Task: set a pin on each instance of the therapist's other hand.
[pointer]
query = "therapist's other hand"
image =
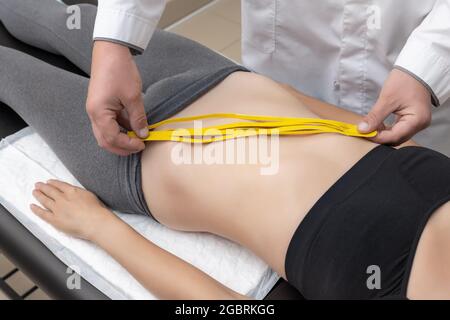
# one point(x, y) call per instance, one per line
point(410, 102)
point(115, 98)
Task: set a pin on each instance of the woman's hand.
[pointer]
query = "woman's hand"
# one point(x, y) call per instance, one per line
point(80, 213)
point(70, 209)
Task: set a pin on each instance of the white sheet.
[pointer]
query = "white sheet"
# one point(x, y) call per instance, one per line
point(25, 159)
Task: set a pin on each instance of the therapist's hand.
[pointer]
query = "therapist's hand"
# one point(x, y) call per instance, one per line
point(115, 97)
point(410, 102)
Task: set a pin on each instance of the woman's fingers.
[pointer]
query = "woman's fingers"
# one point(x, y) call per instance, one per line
point(42, 213)
point(43, 199)
point(62, 186)
point(49, 190)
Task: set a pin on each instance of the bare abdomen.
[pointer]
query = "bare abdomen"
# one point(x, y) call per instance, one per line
point(258, 205)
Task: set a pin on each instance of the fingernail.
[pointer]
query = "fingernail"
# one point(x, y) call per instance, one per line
point(140, 149)
point(363, 126)
point(143, 133)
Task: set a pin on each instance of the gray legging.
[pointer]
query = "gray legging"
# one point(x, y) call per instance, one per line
point(175, 72)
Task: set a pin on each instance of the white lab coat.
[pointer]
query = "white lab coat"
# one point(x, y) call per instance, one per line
point(131, 22)
point(339, 51)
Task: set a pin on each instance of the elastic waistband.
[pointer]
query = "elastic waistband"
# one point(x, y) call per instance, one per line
point(130, 179)
point(307, 230)
point(190, 93)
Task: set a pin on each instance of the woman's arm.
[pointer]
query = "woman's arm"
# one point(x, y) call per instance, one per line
point(328, 111)
point(79, 213)
point(162, 273)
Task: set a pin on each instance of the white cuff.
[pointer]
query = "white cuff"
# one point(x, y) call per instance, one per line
point(421, 60)
point(124, 27)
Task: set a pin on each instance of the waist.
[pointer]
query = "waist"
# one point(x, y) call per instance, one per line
point(237, 201)
point(373, 217)
point(299, 246)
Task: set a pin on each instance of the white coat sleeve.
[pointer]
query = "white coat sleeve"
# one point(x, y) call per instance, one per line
point(426, 54)
point(129, 22)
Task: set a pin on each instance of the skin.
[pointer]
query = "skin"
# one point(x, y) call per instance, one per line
point(313, 159)
point(114, 98)
point(410, 102)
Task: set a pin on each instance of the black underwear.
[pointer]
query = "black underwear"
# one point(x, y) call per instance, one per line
point(368, 224)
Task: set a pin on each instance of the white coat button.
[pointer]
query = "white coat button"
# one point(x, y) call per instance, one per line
point(336, 85)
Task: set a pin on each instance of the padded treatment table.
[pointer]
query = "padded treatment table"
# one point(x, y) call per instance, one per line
point(23, 248)
point(16, 242)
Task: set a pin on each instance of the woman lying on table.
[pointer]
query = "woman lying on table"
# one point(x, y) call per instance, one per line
point(336, 206)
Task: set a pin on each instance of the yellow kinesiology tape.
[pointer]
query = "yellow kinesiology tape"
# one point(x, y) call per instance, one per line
point(259, 125)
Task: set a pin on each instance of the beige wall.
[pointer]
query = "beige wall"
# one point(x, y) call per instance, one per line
point(177, 9)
